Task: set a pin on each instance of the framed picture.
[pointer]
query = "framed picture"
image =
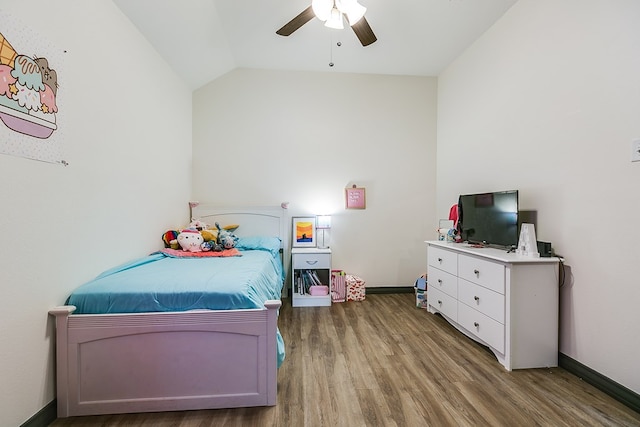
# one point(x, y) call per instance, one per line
point(355, 198)
point(304, 231)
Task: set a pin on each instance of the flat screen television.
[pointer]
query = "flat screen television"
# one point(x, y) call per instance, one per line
point(489, 218)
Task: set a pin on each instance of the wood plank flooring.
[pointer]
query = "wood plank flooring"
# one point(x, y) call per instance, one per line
point(383, 362)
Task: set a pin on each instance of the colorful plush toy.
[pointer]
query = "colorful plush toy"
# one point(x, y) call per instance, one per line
point(170, 239)
point(190, 240)
point(226, 238)
point(198, 237)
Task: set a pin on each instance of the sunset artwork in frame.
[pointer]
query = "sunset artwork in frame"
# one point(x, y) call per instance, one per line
point(304, 232)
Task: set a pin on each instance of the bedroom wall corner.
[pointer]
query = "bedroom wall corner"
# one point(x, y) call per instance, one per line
point(128, 146)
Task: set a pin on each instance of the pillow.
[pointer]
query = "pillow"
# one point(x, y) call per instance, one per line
point(271, 244)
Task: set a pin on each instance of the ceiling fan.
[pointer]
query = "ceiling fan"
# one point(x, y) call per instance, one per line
point(332, 13)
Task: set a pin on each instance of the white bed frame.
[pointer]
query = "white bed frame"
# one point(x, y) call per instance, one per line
point(150, 362)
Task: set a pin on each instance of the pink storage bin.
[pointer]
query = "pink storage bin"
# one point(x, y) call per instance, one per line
point(318, 291)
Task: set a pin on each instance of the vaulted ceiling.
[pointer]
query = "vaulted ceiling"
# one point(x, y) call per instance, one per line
point(204, 39)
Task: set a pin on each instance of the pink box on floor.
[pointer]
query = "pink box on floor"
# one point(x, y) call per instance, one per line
point(318, 291)
point(356, 288)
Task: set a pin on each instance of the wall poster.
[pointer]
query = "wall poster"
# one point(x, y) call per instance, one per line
point(354, 198)
point(31, 116)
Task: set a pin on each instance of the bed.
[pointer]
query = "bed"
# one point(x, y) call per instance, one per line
point(116, 353)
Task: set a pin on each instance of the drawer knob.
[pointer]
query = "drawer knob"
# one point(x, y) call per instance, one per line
point(439, 281)
point(440, 260)
point(477, 298)
point(312, 262)
point(476, 324)
point(439, 302)
point(476, 272)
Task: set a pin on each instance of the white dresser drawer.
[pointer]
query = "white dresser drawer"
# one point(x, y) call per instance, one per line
point(486, 273)
point(482, 299)
point(442, 281)
point(445, 304)
point(312, 261)
point(443, 259)
point(502, 300)
point(485, 328)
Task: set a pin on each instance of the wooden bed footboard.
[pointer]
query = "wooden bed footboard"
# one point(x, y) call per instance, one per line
point(150, 362)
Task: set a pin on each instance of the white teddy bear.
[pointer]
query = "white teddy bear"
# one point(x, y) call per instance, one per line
point(190, 240)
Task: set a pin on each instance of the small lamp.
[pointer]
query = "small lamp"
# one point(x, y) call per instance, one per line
point(323, 222)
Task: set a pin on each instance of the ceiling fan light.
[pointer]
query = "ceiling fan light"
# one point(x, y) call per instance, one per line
point(335, 21)
point(355, 13)
point(354, 10)
point(342, 5)
point(322, 9)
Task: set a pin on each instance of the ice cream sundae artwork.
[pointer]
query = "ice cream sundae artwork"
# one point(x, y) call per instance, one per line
point(28, 89)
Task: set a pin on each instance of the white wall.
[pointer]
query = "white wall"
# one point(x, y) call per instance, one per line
point(128, 144)
point(548, 102)
point(263, 137)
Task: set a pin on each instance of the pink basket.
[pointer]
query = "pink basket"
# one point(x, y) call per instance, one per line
point(338, 286)
point(318, 291)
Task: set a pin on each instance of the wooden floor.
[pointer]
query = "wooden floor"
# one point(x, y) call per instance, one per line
point(383, 362)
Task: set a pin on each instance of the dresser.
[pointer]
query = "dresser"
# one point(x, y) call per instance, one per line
point(505, 301)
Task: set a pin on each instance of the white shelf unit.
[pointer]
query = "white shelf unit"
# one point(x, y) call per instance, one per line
point(314, 259)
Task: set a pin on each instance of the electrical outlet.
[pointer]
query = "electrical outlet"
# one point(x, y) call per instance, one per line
point(635, 150)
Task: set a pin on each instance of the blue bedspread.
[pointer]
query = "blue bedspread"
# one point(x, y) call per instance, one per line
point(162, 283)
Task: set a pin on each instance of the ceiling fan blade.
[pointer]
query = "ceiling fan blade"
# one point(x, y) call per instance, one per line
point(297, 22)
point(364, 32)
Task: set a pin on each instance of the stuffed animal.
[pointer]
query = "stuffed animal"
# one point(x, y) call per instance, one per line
point(170, 239)
point(209, 235)
point(212, 245)
point(226, 239)
point(198, 225)
point(190, 240)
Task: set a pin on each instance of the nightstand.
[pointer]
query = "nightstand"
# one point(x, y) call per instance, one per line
point(310, 266)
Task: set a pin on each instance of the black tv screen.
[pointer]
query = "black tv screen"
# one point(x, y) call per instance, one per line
point(489, 218)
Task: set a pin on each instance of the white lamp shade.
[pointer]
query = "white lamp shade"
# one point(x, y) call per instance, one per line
point(335, 21)
point(322, 9)
point(354, 10)
point(323, 221)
